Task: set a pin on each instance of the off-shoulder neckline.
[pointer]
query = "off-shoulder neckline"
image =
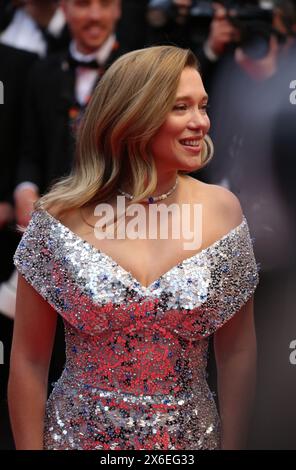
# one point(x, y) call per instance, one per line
point(128, 273)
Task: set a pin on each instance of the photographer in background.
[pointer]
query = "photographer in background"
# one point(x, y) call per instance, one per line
point(242, 29)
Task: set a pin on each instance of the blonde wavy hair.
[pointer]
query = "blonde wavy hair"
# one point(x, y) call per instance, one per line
point(129, 105)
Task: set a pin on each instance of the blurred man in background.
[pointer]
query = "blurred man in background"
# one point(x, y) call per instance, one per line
point(58, 91)
point(14, 69)
point(36, 26)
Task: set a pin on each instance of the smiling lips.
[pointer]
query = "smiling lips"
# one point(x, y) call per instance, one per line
point(191, 143)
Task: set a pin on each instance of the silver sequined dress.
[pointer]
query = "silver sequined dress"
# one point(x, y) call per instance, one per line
point(135, 373)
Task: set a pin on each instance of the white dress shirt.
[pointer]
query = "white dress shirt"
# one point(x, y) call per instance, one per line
point(86, 77)
point(24, 33)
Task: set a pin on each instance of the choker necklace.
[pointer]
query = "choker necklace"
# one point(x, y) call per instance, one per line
point(152, 199)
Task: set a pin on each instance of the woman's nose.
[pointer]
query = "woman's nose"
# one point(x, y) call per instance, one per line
point(199, 120)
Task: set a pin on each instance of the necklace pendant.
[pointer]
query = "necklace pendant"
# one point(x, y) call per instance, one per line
point(150, 200)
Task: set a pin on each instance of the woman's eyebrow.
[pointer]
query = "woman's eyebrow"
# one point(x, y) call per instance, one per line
point(187, 97)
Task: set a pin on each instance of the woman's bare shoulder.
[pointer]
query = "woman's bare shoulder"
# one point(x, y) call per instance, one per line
point(70, 217)
point(220, 204)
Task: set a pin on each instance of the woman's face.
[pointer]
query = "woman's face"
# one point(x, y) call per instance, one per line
point(178, 143)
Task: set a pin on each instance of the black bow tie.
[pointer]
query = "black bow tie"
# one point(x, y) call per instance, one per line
point(93, 64)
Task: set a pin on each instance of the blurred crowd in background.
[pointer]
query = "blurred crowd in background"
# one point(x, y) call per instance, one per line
point(52, 55)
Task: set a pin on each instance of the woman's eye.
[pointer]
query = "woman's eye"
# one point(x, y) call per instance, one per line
point(180, 107)
point(205, 107)
point(184, 107)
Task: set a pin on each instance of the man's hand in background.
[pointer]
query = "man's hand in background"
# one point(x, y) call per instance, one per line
point(222, 32)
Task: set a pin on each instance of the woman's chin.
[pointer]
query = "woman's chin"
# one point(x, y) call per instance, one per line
point(193, 165)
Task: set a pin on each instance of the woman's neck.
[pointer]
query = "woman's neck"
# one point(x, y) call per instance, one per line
point(165, 182)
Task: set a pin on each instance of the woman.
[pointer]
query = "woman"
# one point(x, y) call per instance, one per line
point(138, 311)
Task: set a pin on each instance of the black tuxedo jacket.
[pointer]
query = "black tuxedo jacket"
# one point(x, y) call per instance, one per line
point(14, 68)
point(48, 141)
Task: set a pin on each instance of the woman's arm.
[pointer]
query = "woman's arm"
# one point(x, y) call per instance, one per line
point(235, 351)
point(33, 337)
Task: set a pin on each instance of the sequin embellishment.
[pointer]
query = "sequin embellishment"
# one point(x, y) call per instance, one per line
point(136, 357)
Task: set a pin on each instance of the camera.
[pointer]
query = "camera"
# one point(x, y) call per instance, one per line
point(253, 19)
